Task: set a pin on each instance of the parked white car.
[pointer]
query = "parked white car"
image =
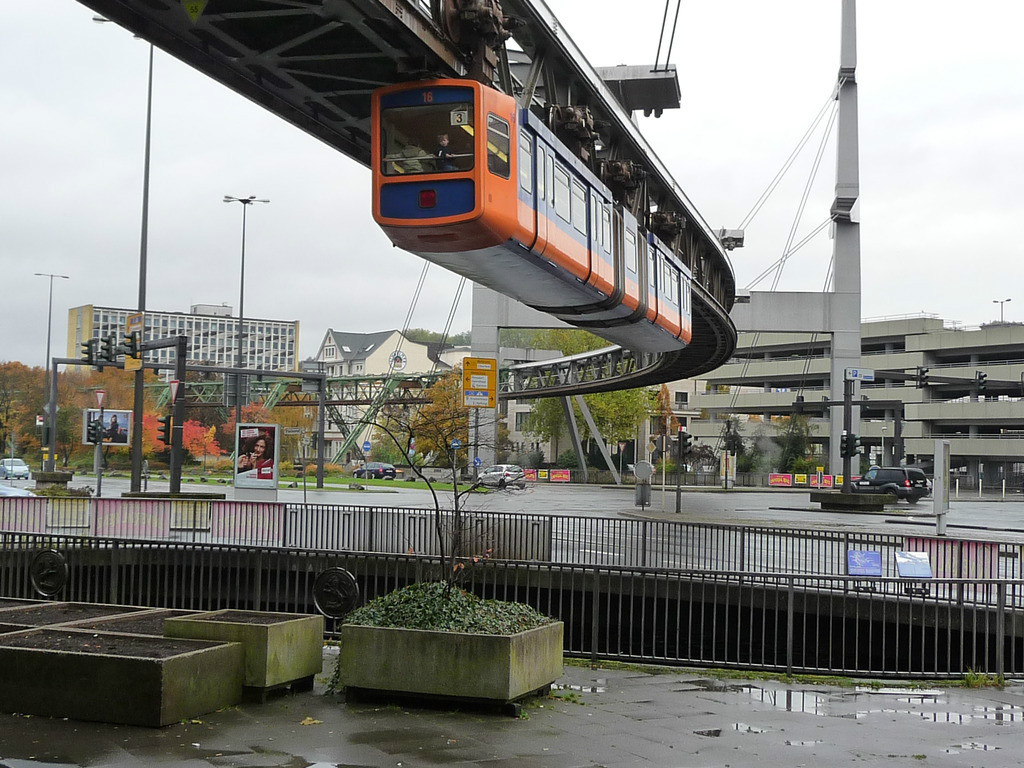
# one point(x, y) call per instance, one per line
point(14, 468)
point(503, 476)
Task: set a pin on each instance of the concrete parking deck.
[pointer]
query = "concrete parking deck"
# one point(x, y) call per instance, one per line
point(609, 718)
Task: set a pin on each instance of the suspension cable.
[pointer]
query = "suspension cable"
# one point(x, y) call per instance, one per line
point(830, 103)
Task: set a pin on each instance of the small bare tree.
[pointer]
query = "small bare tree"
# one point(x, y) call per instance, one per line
point(440, 428)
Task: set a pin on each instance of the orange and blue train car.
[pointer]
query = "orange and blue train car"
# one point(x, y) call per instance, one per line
point(466, 179)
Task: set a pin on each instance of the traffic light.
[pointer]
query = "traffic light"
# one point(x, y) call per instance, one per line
point(163, 433)
point(94, 431)
point(798, 404)
point(685, 442)
point(922, 376)
point(130, 346)
point(89, 351)
point(980, 379)
point(108, 348)
point(849, 445)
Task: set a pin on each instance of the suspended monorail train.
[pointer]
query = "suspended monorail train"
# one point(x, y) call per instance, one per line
point(466, 179)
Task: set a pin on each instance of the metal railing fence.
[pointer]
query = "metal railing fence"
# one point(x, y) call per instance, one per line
point(752, 620)
point(566, 539)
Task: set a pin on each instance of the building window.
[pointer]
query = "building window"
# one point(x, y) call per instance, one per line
point(521, 419)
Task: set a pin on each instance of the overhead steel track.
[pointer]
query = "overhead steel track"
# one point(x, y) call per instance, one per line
point(315, 63)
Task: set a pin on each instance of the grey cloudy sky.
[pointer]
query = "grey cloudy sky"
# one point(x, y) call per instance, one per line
point(941, 116)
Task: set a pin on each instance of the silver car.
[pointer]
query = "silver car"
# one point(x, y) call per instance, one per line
point(503, 476)
point(10, 490)
point(13, 468)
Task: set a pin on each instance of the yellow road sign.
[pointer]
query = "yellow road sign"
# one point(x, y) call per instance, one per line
point(135, 322)
point(194, 9)
point(479, 382)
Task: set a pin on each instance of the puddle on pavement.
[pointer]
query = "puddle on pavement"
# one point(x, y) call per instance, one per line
point(899, 691)
point(791, 701)
point(744, 728)
point(806, 743)
point(1001, 713)
point(580, 688)
point(709, 732)
point(971, 745)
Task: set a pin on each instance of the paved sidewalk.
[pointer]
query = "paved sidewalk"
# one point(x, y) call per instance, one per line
point(604, 718)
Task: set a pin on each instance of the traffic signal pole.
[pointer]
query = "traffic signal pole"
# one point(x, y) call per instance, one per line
point(178, 413)
point(847, 430)
point(97, 455)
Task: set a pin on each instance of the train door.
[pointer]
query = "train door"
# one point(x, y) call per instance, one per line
point(527, 234)
point(543, 203)
point(651, 262)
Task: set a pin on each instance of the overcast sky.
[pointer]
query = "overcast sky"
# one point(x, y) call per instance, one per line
point(941, 121)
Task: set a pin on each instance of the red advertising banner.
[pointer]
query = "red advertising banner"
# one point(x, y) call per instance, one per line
point(560, 475)
point(826, 481)
point(530, 474)
point(780, 480)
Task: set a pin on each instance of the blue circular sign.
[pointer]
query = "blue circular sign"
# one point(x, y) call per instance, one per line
point(456, 443)
point(477, 461)
point(366, 446)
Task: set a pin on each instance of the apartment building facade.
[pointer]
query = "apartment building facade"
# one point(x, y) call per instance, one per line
point(211, 330)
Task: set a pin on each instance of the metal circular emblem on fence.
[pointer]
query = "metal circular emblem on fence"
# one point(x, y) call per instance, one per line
point(48, 572)
point(335, 592)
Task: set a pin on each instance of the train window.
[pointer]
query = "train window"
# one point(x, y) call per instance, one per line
point(652, 271)
point(431, 137)
point(595, 229)
point(669, 285)
point(579, 207)
point(606, 227)
point(541, 156)
point(498, 143)
point(561, 192)
point(525, 163)
point(630, 252)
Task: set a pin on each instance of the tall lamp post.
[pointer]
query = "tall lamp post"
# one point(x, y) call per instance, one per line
point(1000, 302)
point(138, 402)
point(51, 406)
point(240, 355)
point(882, 459)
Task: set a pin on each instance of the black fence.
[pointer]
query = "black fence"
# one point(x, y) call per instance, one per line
point(726, 618)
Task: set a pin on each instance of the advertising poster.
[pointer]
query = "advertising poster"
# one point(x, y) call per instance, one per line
point(780, 480)
point(117, 426)
point(257, 449)
point(530, 474)
point(561, 475)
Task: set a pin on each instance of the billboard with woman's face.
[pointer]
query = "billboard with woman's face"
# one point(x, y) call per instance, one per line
point(256, 455)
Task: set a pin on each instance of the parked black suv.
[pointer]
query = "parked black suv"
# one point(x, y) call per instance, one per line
point(907, 483)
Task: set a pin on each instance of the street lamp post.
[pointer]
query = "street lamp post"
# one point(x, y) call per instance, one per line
point(51, 406)
point(240, 355)
point(882, 459)
point(138, 402)
point(1000, 302)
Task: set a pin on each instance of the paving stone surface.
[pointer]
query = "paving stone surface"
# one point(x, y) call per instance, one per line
point(595, 719)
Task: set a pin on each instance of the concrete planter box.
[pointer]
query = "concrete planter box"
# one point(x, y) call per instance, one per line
point(115, 678)
point(500, 668)
point(280, 648)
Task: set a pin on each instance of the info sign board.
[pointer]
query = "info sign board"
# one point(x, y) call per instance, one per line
point(257, 450)
point(117, 426)
point(479, 382)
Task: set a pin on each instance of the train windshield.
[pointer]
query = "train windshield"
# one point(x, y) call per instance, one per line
point(427, 131)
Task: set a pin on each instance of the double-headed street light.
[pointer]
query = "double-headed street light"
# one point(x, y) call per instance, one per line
point(1000, 302)
point(140, 374)
point(240, 358)
point(51, 407)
